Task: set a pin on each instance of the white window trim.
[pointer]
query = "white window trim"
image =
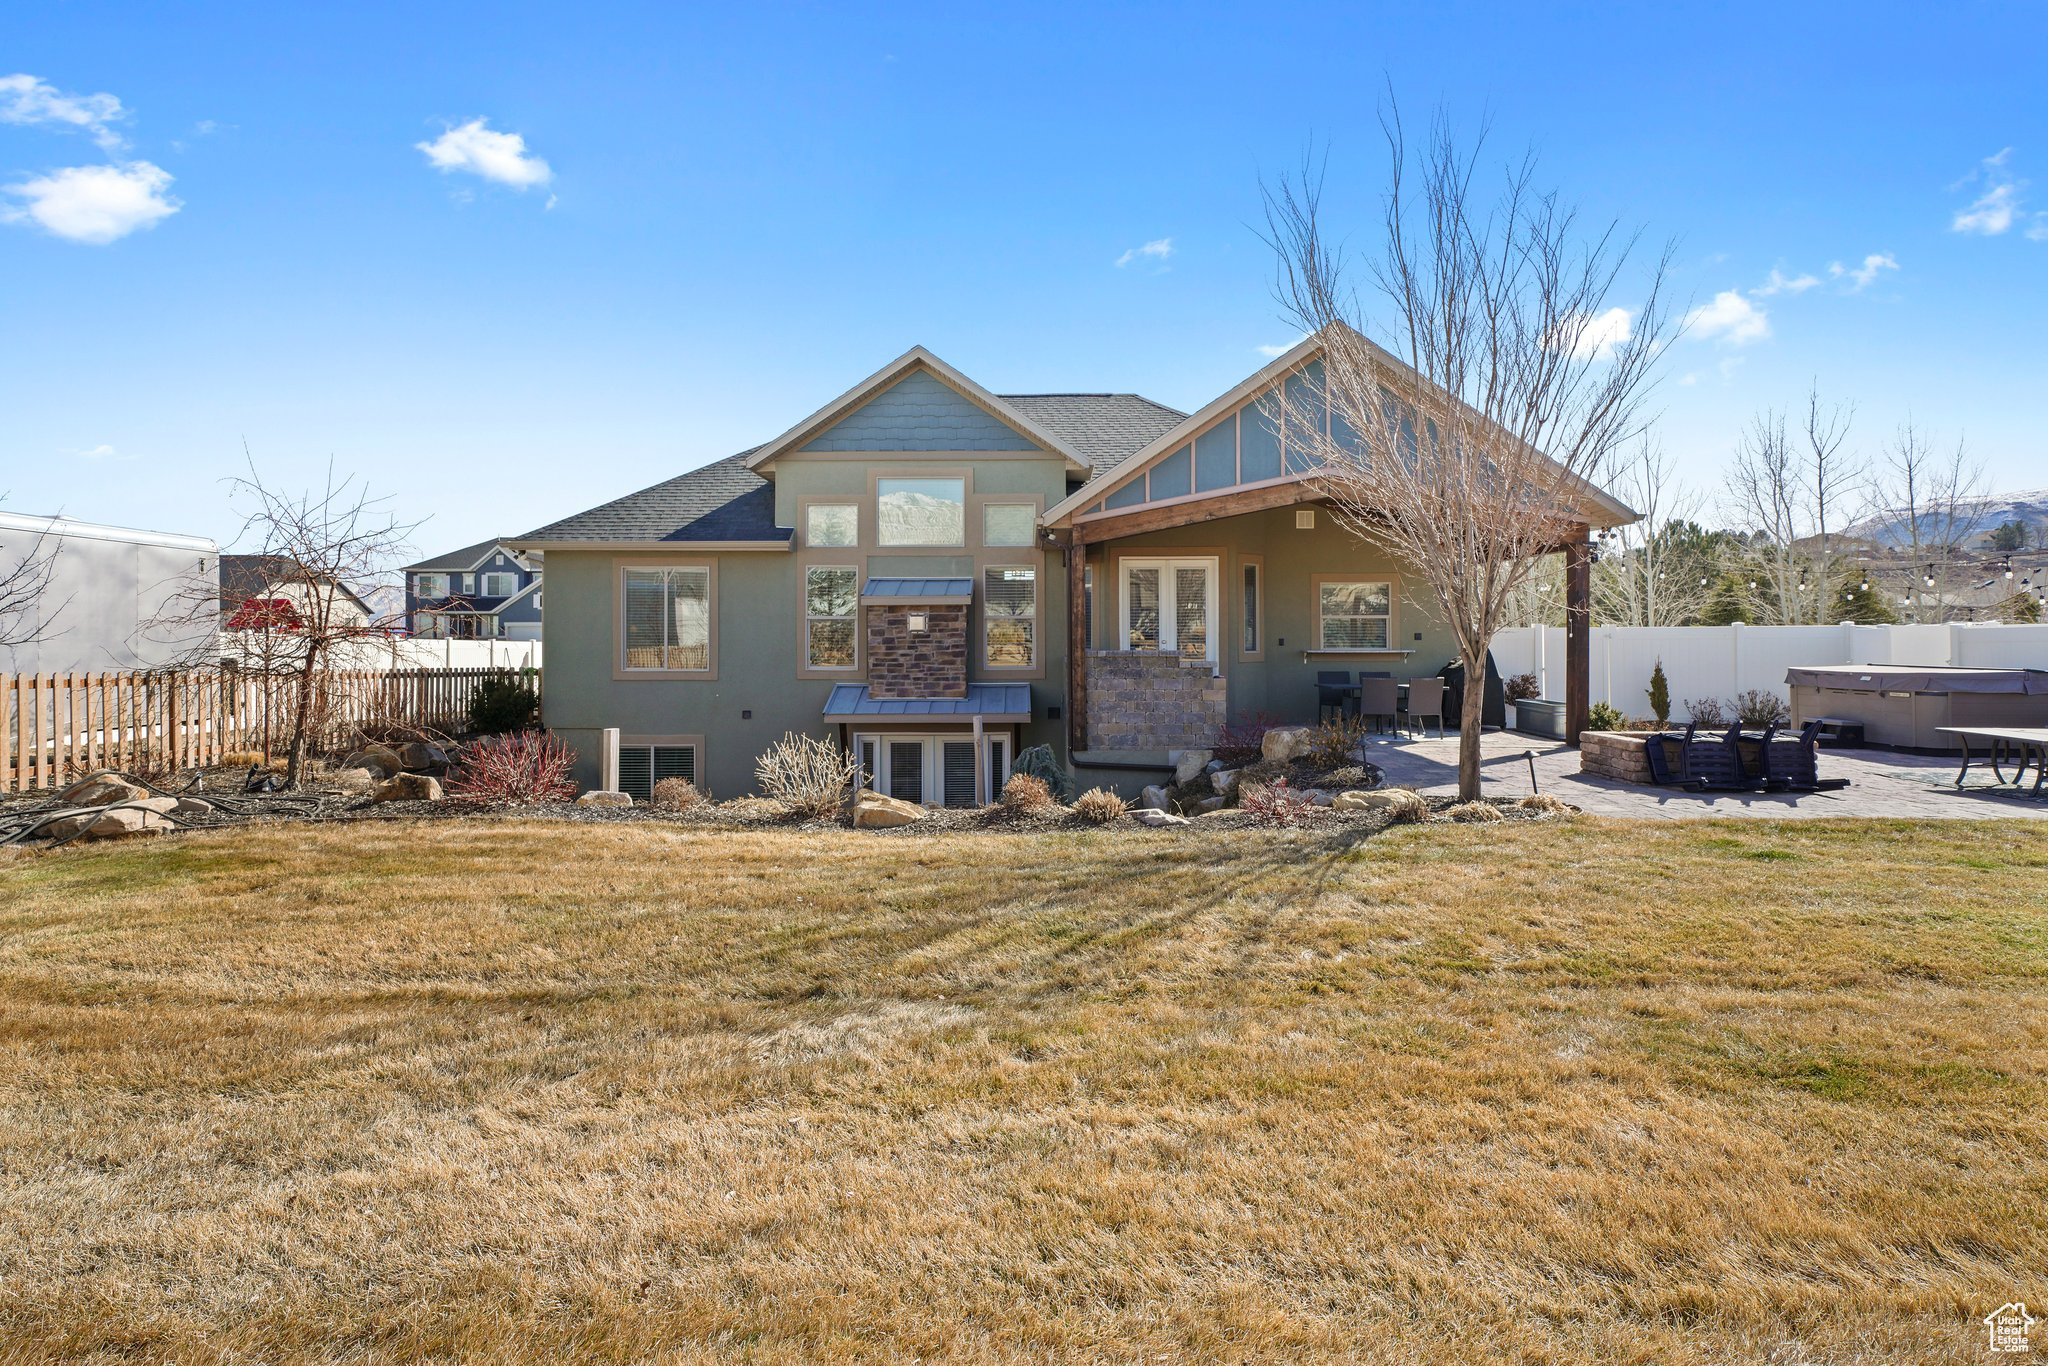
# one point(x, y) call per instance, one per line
point(852, 617)
point(1169, 637)
point(430, 586)
point(512, 578)
point(992, 777)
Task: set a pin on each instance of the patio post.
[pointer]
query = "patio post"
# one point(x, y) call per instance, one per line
point(1077, 646)
point(1578, 642)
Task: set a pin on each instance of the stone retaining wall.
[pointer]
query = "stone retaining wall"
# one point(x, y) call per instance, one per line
point(1149, 699)
point(1619, 754)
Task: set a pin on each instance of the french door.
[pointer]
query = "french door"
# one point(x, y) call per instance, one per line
point(933, 769)
point(1170, 604)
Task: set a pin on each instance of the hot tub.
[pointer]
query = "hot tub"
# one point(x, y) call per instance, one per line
point(1906, 705)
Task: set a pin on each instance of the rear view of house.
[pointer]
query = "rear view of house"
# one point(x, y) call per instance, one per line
point(486, 591)
point(939, 576)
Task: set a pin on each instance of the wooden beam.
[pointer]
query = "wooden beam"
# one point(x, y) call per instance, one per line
point(1578, 637)
point(1204, 509)
point(1077, 647)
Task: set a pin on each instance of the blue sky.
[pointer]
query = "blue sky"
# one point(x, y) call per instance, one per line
point(716, 218)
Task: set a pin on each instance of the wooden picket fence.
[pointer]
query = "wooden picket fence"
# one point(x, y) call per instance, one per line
point(55, 728)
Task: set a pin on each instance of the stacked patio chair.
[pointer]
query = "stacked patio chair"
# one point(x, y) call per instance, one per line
point(1426, 699)
point(1714, 762)
point(1792, 763)
point(1379, 700)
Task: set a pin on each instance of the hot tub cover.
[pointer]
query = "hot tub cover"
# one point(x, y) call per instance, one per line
point(1919, 678)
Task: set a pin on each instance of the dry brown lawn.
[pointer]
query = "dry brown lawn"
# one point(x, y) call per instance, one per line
point(463, 1091)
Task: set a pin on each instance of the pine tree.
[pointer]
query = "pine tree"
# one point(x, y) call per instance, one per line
point(1660, 694)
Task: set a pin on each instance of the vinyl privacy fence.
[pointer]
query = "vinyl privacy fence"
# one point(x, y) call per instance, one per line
point(55, 728)
point(1721, 661)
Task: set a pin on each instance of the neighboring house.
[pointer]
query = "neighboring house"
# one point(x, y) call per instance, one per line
point(939, 576)
point(486, 591)
point(264, 594)
point(113, 598)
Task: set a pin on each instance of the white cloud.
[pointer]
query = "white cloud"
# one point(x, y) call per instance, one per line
point(1159, 251)
point(1780, 283)
point(1731, 317)
point(99, 452)
point(96, 204)
point(1271, 349)
point(29, 100)
point(1596, 338)
point(1999, 206)
point(495, 156)
point(1859, 277)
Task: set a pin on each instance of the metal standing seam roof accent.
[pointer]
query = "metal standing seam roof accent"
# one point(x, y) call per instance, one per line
point(983, 699)
point(918, 590)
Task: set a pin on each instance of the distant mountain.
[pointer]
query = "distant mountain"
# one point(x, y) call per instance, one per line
point(908, 518)
point(2029, 508)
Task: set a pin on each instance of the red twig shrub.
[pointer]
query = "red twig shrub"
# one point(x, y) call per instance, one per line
point(1240, 742)
point(1277, 804)
point(516, 770)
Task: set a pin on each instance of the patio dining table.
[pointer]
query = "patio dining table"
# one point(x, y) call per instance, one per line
point(2019, 746)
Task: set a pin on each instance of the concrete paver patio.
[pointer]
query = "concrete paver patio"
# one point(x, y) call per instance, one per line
point(1881, 783)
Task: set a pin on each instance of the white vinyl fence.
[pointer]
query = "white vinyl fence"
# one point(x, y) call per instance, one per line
point(1721, 661)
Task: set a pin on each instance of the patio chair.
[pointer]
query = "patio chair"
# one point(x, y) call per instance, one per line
point(1657, 750)
point(1379, 699)
point(1792, 763)
point(1714, 762)
point(1426, 699)
point(1333, 693)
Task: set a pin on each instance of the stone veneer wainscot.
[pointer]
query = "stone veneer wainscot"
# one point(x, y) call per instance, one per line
point(1152, 699)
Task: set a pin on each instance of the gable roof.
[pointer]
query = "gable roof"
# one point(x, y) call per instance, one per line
point(469, 557)
point(915, 359)
point(243, 577)
point(727, 502)
point(1262, 379)
point(721, 501)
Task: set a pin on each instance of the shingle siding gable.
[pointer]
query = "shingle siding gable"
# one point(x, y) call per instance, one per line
point(920, 413)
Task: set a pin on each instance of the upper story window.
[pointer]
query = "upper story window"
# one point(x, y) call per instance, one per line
point(430, 585)
point(1009, 524)
point(1356, 615)
point(832, 524)
point(667, 619)
point(500, 585)
point(831, 597)
point(921, 511)
point(1009, 617)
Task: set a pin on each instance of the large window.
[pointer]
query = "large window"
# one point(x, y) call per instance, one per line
point(500, 585)
point(1170, 605)
point(1009, 524)
point(831, 598)
point(921, 511)
point(668, 619)
point(1356, 615)
point(832, 524)
point(430, 585)
point(1009, 616)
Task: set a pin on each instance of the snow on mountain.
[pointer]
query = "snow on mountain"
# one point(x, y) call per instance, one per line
point(2029, 507)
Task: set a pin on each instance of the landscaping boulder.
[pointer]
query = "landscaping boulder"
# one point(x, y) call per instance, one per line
point(190, 807)
point(381, 761)
point(602, 797)
point(1208, 804)
point(1283, 744)
point(101, 790)
point(1317, 797)
point(355, 779)
point(1371, 801)
point(874, 811)
point(1223, 780)
point(123, 822)
point(1146, 815)
point(419, 757)
point(407, 787)
point(1154, 799)
point(1189, 763)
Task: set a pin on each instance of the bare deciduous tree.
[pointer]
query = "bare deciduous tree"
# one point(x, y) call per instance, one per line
point(26, 613)
point(1652, 572)
point(297, 605)
point(1465, 441)
point(1927, 504)
point(1792, 495)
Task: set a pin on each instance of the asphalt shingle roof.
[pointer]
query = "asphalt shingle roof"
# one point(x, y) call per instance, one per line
point(726, 501)
point(454, 559)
